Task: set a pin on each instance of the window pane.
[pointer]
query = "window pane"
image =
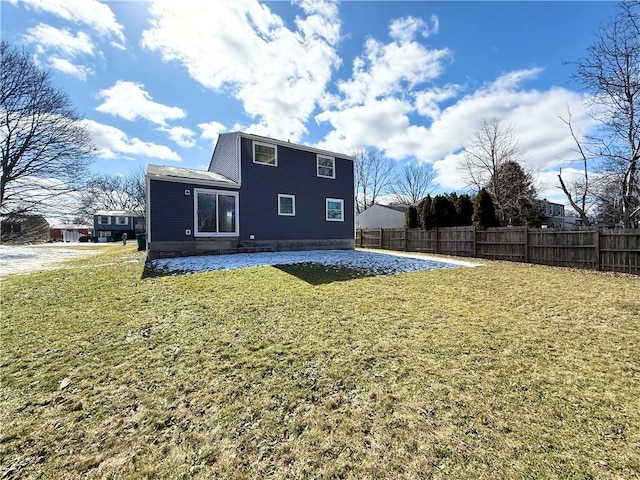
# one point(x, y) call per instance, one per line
point(227, 213)
point(206, 213)
point(334, 210)
point(286, 206)
point(265, 154)
point(326, 167)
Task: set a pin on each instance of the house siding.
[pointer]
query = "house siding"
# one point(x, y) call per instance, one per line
point(172, 210)
point(118, 230)
point(296, 175)
point(225, 157)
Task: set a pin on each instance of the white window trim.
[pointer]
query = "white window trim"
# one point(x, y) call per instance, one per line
point(333, 169)
point(292, 197)
point(196, 232)
point(126, 221)
point(100, 222)
point(275, 151)
point(326, 209)
point(104, 234)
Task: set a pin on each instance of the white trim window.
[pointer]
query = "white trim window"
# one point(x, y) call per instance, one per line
point(286, 205)
point(215, 213)
point(335, 210)
point(326, 166)
point(122, 221)
point(265, 154)
point(104, 234)
point(104, 220)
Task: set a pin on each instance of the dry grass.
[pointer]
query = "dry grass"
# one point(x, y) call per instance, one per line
point(504, 371)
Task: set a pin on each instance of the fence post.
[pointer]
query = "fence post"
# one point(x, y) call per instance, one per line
point(406, 233)
point(526, 245)
point(597, 246)
point(475, 244)
point(436, 240)
point(380, 241)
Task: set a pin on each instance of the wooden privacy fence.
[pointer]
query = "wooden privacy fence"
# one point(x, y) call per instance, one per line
point(610, 250)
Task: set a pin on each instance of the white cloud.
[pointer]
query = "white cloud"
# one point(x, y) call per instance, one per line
point(66, 66)
point(276, 72)
point(427, 102)
point(130, 101)
point(59, 49)
point(181, 135)
point(60, 39)
point(393, 68)
point(211, 130)
point(405, 29)
point(416, 124)
point(92, 13)
point(114, 143)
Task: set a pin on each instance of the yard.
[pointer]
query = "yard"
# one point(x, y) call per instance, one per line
point(501, 371)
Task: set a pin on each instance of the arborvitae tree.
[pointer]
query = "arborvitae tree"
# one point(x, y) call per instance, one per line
point(453, 199)
point(464, 210)
point(444, 212)
point(484, 214)
point(411, 218)
point(425, 214)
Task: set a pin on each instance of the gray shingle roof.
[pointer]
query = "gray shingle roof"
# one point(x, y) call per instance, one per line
point(187, 173)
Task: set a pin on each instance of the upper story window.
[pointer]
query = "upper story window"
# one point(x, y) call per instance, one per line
point(265, 154)
point(326, 166)
point(286, 205)
point(335, 210)
point(122, 221)
point(104, 220)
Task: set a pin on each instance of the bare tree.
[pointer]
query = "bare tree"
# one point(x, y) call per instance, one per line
point(581, 192)
point(45, 149)
point(115, 192)
point(611, 73)
point(492, 145)
point(374, 173)
point(412, 183)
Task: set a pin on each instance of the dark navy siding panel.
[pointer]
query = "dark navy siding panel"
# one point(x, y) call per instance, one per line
point(172, 210)
point(225, 157)
point(294, 175)
point(113, 227)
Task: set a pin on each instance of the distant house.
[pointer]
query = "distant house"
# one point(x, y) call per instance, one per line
point(69, 232)
point(556, 217)
point(258, 193)
point(109, 225)
point(382, 216)
point(24, 228)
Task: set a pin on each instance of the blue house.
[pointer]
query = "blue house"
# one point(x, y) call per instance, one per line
point(109, 225)
point(258, 194)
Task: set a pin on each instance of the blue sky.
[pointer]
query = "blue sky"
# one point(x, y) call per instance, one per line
point(157, 81)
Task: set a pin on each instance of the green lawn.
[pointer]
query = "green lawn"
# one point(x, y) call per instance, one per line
point(503, 371)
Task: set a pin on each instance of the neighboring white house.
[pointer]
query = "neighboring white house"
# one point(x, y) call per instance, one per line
point(382, 216)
